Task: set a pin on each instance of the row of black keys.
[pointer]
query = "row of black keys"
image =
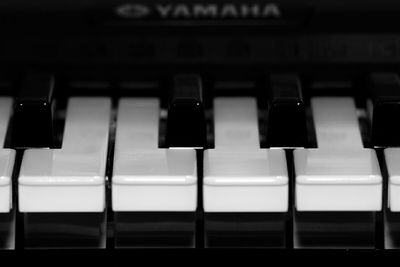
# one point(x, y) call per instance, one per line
point(33, 123)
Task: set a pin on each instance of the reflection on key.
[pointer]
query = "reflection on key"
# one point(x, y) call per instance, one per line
point(340, 181)
point(154, 191)
point(340, 175)
point(238, 175)
point(70, 179)
point(7, 158)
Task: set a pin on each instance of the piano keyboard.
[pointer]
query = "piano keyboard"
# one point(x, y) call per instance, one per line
point(291, 167)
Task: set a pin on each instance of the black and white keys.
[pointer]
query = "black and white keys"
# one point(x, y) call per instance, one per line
point(340, 175)
point(384, 108)
point(239, 176)
point(145, 177)
point(70, 179)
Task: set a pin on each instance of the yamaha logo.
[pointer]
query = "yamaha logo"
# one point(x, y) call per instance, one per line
point(134, 11)
point(198, 11)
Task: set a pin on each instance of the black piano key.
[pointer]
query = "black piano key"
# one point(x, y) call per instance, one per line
point(286, 117)
point(385, 113)
point(33, 112)
point(186, 126)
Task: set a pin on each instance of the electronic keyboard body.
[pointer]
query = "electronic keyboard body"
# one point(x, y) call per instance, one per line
point(200, 124)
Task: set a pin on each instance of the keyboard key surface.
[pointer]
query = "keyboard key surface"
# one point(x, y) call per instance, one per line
point(286, 112)
point(336, 123)
point(329, 180)
point(236, 123)
point(392, 158)
point(138, 123)
point(385, 109)
point(340, 175)
point(7, 157)
point(155, 180)
point(238, 175)
point(33, 124)
point(245, 181)
point(146, 178)
point(186, 125)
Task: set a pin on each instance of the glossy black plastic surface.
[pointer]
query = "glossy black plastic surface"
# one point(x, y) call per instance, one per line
point(385, 94)
point(33, 112)
point(286, 119)
point(186, 126)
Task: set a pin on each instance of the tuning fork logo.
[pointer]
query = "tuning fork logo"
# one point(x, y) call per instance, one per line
point(133, 11)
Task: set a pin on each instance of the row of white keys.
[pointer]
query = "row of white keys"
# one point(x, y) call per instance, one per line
point(238, 175)
point(70, 179)
point(145, 177)
point(7, 157)
point(340, 175)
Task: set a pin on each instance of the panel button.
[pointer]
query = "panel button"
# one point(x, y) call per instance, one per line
point(286, 121)
point(33, 112)
point(186, 126)
point(70, 179)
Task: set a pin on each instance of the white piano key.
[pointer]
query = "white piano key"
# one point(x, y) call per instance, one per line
point(392, 158)
point(245, 181)
point(335, 180)
point(236, 123)
point(138, 123)
point(70, 179)
point(238, 175)
point(340, 175)
point(146, 178)
point(7, 157)
point(336, 122)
